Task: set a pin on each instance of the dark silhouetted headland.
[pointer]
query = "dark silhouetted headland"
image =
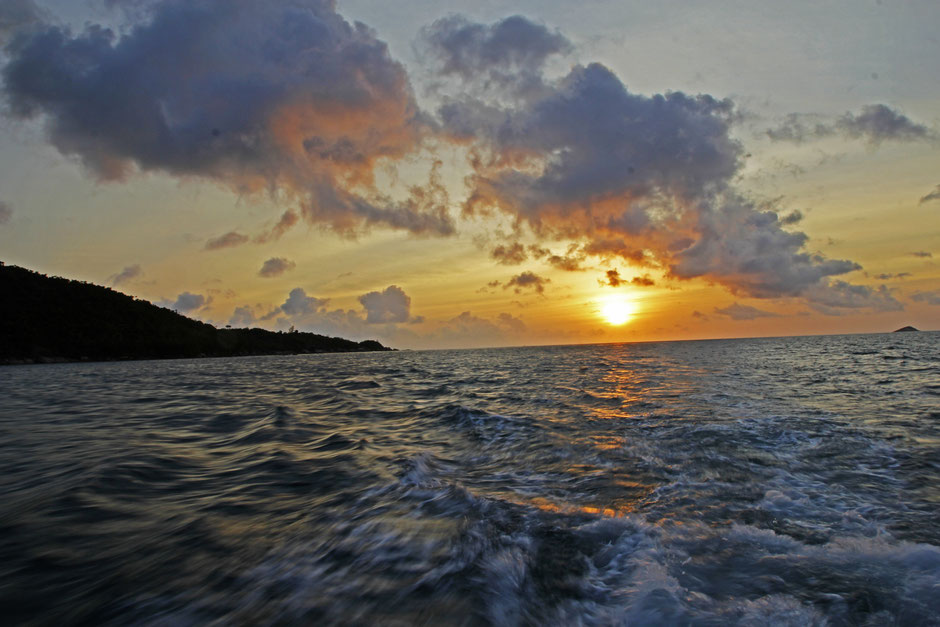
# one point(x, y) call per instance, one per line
point(49, 319)
point(906, 330)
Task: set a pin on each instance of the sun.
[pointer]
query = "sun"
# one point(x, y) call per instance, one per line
point(616, 310)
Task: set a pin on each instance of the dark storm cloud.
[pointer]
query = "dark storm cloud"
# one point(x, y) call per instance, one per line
point(934, 195)
point(125, 275)
point(276, 266)
point(527, 280)
point(283, 94)
point(737, 311)
point(228, 240)
point(875, 123)
point(6, 212)
point(510, 254)
point(389, 305)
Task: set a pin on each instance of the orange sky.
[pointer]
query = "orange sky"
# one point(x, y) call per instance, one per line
point(486, 180)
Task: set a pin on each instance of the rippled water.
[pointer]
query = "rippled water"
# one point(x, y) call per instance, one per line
point(785, 481)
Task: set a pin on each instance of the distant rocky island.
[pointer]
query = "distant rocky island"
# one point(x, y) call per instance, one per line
point(906, 330)
point(51, 319)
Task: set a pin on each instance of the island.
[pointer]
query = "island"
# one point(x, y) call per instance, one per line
point(53, 319)
point(906, 330)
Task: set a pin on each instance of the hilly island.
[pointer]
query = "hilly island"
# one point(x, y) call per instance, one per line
point(52, 319)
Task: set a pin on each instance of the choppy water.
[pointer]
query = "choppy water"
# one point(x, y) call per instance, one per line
point(774, 481)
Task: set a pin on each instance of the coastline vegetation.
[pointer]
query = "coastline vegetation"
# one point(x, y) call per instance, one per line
point(52, 319)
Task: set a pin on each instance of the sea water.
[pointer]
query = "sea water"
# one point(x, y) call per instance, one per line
point(788, 481)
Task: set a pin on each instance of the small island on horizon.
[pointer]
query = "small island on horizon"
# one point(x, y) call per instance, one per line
point(907, 329)
point(52, 319)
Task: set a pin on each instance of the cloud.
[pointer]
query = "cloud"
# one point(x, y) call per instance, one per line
point(510, 52)
point(885, 276)
point(699, 315)
point(187, 302)
point(228, 240)
point(125, 275)
point(648, 179)
point(243, 317)
point(875, 123)
point(747, 251)
point(298, 303)
point(527, 280)
point(17, 16)
point(793, 217)
point(284, 95)
point(931, 298)
point(288, 219)
point(310, 313)
point(468, 330)
point(839, 296)
point(6, 212)
point(737, 311)
point(276, 266)
point(934, 195)
point(570, 262)
point(389, 305)
point(612, 278)
point(922, 254)
point(509, 255)
point(510, 323)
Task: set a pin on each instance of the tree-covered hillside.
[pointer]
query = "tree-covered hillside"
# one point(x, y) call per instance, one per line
point(54, 319)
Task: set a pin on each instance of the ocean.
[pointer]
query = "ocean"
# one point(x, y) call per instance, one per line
point(783, 481)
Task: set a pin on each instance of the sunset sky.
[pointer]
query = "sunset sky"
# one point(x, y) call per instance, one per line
point(455, 174)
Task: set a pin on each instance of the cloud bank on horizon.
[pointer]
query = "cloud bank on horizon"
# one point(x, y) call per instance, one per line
point(288, 97)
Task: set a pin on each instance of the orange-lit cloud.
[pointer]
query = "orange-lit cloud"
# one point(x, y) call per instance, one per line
point(255, 95)
point(650, 180)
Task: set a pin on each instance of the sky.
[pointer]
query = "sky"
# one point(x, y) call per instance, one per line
point(453, 174)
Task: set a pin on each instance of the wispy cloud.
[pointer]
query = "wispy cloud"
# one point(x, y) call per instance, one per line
point(875, 123)
point(934, 195)
point(228, 240)
point(127, 274)
point(527, 280)
point(6, 212)
point(276, 266)
point(737, 311)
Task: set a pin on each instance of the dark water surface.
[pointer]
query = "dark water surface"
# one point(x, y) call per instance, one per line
point(770, 481)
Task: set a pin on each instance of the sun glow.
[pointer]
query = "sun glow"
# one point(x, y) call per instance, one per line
point(617, 310)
